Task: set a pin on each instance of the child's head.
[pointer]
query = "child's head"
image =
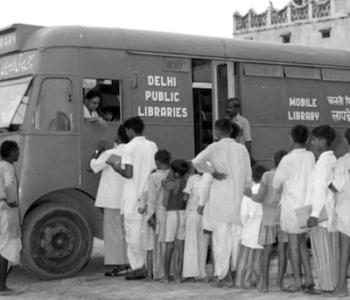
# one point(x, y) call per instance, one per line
point(322, 137)
point(347, 136)
point(277, 157)
point(9, 151)
point(134, 126)
point(162, 159)
point(179, 167)
point(122, 136)
point(257, 173)
point(300, 134)
point(223, 128)
point(236, 131)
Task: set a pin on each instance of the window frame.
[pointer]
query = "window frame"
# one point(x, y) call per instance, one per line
point(120, 84)
point(74, 128)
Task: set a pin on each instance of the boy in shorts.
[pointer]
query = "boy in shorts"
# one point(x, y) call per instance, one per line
point(175, 217)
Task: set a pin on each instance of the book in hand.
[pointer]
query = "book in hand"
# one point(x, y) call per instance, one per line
point(304, 213)
point(114, 159)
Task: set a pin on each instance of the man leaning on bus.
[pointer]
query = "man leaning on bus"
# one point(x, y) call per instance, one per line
point(233, 107)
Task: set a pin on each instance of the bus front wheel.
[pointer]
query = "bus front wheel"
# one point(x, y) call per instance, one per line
point(57, 241)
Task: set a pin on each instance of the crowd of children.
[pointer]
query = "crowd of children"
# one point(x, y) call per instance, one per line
point(218, 200)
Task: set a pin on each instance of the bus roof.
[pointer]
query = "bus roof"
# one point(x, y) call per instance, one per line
point(183, 45)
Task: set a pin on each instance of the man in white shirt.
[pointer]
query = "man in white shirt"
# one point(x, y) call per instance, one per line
point(323, 235)
point(138, 159)
point(292, 178)
point(10, 234)
point(108, 197)
point(233, 112)
point(229, 163)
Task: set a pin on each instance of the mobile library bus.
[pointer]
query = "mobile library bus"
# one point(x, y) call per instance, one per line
point(178, 84)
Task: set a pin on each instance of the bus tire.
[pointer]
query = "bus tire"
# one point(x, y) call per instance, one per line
point(57, 241)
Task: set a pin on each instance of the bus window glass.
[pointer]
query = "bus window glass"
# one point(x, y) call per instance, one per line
point(54, 110)
point(110, 104)
point(13, 100)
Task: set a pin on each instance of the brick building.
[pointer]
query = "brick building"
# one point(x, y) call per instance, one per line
point(322, 23)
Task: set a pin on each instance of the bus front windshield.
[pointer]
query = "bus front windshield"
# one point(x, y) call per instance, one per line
point(13, 102)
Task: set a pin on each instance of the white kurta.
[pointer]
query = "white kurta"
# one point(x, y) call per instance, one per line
point(293, 175)
point(10, 233)
point(251, 217)
point(318, 194)
point(194, 253)
point(88, 114)
point(111, 186)
point(109, 194)
point(139, 153)
point(231, 158)
point(342, 184)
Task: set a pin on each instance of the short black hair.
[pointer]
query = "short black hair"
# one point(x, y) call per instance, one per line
point(163, 156)
point(92, 94)
point(180, 166)
point(347, 135)
point(277, 157)
point(122, 134)
point(7, 147)
point(325, 132)
point(236, 130)
point(224, 126)
point(135, 123)
point(300, 134)
point(257, 172)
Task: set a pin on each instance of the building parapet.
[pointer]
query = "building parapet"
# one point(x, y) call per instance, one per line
point(306, 10)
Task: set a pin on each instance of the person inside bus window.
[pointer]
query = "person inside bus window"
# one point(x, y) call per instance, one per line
point(91, 104)
point(233, 108)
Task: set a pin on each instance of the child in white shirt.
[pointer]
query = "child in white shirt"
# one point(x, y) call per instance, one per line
point(248, 271)
point(194, 253)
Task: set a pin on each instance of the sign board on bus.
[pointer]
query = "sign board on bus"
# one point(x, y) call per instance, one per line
point(18, 65)
point(8, 42)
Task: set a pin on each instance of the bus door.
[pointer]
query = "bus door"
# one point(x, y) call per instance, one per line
point(224, 86)
point(213, 83)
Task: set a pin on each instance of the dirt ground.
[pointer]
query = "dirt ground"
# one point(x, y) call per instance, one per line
point(91, 284)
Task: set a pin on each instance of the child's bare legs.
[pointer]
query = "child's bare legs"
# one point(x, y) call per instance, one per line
point(3, 274)
point(341, 289)
point(295, 258)
point(149, 265)
point(265, 266)
point(169, 250)
point(305, 260)
point(282, 262)
point(180, 245)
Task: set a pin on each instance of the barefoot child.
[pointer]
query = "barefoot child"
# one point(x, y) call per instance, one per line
point(194, 254)
point(323, 235)
point(156, 216)
point(269, 198)
point(175, 218)
point(248, 269)
point(292, 178)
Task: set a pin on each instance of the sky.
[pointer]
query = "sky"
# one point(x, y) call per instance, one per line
point(200, 17)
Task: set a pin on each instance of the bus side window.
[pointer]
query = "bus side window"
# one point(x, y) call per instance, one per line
point(110, 104)
point(54, 110)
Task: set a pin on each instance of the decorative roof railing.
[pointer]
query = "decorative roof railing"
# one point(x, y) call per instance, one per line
point(310, 10)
